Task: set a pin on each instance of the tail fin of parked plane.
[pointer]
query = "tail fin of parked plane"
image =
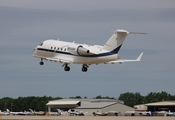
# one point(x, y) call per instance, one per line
point(7, 110)
point(115, 41)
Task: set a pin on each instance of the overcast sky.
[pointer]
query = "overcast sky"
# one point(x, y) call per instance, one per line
point(26, 23)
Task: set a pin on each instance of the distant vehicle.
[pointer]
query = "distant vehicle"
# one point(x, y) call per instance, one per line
point(161, 113)
point(173, 113)
point(109, 113)
point(99, 113)
point(143, 113)
point(129, 113)
point(75, 112)
point(57, 113)
point(169, 113)
point(74, 53)
point(39, 113)
point(165, 113)
point(113, 113)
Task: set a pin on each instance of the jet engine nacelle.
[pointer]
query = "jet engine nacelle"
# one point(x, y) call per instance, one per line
point(78, 50)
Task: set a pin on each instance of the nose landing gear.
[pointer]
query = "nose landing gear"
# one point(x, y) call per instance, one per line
point(41, 63)
point(67, 68)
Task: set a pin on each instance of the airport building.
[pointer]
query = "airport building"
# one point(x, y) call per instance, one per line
point(156, 106)
point(89, 105)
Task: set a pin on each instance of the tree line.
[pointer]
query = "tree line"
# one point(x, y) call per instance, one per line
point(39, 103)
point(131, 99)
point(25, 103)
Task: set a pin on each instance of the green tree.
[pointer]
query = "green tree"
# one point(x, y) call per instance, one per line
point(34, 104)
point(158, 96)
point(100, 97)
point(131, 99)
point(76, 97)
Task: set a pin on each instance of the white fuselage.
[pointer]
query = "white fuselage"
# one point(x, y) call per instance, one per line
point(74, 53)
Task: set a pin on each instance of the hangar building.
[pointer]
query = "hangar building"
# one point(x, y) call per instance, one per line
point(156, 106)
point(89, 105)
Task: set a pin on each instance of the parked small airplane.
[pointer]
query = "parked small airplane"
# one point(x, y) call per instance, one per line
point(29, 112)
point(15, 113)
point(70, 52)
point(4, 113)
point(37, 112)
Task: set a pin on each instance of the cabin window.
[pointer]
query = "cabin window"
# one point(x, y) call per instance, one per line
point(55, 48)
point(58, 48)
point(64, 49)
point(61, 49)
point(51, 47)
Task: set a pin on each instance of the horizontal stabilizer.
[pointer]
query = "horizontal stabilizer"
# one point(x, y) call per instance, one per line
point(136, 33)
point(122, 61)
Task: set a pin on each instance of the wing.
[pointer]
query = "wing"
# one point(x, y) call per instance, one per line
point(122, 61)
point(59, 60)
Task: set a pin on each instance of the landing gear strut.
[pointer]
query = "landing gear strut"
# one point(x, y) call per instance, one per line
point(41, 63)
point(84, 68)
point(66, 67)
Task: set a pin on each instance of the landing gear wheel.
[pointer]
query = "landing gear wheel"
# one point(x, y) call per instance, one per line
point(41, 63)
point(84, 68)
point(67, 68)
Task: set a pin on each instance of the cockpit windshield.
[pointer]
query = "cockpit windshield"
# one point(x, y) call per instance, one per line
point(41, 44)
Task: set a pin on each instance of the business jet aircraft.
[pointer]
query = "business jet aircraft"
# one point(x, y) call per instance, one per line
point(70, 52)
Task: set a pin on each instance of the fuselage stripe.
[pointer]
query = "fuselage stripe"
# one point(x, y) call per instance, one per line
point(115, 51)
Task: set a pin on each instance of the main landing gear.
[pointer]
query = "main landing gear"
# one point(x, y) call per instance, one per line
point(84, 68)
point(66, 67)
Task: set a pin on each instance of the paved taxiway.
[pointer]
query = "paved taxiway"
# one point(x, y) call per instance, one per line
point(83, 118)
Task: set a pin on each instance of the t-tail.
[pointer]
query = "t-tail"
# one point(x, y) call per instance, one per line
point(8, 110)
point(115, 41)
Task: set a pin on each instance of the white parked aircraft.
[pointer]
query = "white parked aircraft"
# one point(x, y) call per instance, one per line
point(70, 52)
point(4, 113)
point(15, 113)
point(30, 112)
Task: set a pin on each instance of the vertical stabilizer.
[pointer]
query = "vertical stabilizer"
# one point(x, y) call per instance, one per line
point(115, 41)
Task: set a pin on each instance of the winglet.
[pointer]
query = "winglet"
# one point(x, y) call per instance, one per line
point(140, 56)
